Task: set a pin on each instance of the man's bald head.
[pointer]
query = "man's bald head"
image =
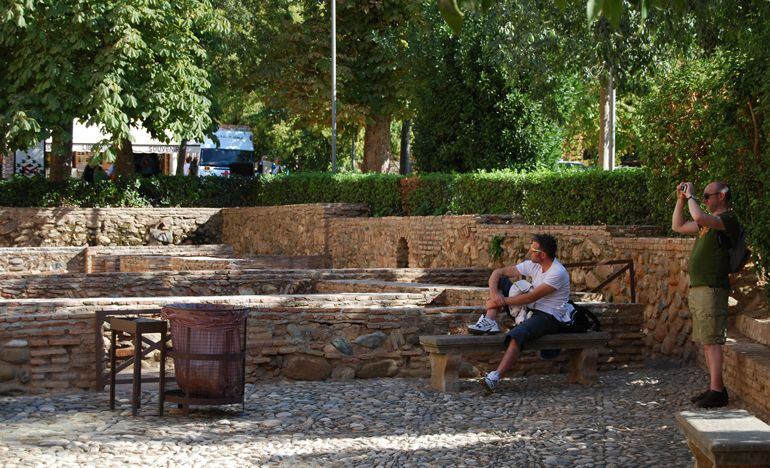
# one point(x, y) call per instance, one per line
point(719, 186)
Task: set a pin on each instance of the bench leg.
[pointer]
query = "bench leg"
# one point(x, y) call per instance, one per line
point(701, 460)
point(444, 372)
point(582, 365)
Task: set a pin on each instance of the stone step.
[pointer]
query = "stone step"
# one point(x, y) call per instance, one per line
point(758, 329)
point(747, 372)
point(265, 301)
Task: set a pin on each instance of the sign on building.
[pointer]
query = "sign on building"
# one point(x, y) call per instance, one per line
point(30, 162)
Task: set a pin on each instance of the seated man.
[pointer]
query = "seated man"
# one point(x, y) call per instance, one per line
point(548, 301)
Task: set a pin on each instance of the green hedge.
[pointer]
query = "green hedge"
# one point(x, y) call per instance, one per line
point(566, 197)
point(379, 191)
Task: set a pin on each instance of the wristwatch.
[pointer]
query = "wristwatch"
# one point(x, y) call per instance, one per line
point(693, 197)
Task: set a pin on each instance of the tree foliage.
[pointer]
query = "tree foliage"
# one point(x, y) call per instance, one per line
point(470, 114)
point(110, 63)
point(294, 70)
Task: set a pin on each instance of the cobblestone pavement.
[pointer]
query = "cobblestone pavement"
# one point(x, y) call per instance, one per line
point(626, 420)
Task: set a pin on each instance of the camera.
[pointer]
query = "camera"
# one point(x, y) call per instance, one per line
point(683, 187)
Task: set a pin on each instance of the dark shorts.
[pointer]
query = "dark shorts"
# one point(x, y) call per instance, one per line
point(533, 328)
point(504, 285)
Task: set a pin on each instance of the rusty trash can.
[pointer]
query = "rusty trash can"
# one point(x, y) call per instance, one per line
point(209, 352)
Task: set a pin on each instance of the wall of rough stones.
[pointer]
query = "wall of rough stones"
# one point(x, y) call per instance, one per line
point(34, 227)
point(159, 283)
point(52, 344)
point(745, 368)
point(36, 260)
point(137, 263)
point(48, 260)
point(660, 262)
point(284, 230)
point(207, 283)
point(107, 259)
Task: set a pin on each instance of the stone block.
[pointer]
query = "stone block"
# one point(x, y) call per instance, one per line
point(14, 355)
point(16, 344)
point(343, 373)
point(64, 341)
point(7, 371)
point(303, 367)
point(371, 341)
point(47, 352)
point(382, 368)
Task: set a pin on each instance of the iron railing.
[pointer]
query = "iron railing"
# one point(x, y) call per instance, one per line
point(628, 265)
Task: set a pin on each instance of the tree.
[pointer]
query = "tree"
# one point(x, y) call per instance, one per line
point(373, 82)
point(545, 46)
point(471, 112)
point(112, 64)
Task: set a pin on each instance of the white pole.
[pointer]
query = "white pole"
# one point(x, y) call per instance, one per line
point(334, 86)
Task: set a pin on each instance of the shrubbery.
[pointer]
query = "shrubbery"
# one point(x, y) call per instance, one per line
point(707, 121)
point(569, 197)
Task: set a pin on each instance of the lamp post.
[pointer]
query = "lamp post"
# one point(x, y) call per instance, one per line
point(334, 86)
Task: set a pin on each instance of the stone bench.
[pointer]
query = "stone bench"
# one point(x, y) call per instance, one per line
point(726, 438)
point(446, 350)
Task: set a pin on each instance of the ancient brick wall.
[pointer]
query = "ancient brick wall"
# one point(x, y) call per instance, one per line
point(53, 343)
point(284, 230)
point(138, 263)
point(149, 284)
point(108, 258)
point(36, 260)
point(33, 227)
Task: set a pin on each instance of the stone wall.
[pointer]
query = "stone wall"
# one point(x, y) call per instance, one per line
point(660, 263)
point(35, 260)
point(208, 283)
point(107, 259)
point(284, 230)
point(162, 283)
point(34, 227)
point(310, 338)
point(137, 263)
point(15, 362)
point(746, 371)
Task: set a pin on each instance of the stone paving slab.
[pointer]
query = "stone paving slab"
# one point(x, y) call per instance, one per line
point(628, 419)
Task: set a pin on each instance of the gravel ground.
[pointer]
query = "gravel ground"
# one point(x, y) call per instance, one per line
point(625, 420)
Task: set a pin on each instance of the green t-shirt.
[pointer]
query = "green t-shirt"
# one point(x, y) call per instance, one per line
point(709, 262)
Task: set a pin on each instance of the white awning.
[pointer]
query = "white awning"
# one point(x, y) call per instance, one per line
point(85, 137)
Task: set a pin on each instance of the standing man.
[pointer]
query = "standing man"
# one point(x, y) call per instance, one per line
point(548, 301)
point(709, 266)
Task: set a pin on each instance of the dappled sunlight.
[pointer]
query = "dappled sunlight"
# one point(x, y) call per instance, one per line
point(533, 420)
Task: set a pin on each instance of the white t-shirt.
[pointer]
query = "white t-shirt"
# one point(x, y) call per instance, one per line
point(557, 277)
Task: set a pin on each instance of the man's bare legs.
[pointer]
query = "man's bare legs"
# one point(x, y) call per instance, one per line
point(714, 359)
point(492, 312)
point(509, 358)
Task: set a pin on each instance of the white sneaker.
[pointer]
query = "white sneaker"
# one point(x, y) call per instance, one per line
point(484, 326)
point(489, 383)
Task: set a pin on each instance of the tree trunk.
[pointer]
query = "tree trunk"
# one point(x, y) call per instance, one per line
point(405, 167)
point(607, 125)
point(180, 157)
point(376, 144)
point(124, 161)
point(61, 153)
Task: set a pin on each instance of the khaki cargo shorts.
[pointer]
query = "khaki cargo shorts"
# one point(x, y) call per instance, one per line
point(708, 307)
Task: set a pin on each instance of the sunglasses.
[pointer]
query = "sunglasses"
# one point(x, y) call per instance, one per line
point(706, 196)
